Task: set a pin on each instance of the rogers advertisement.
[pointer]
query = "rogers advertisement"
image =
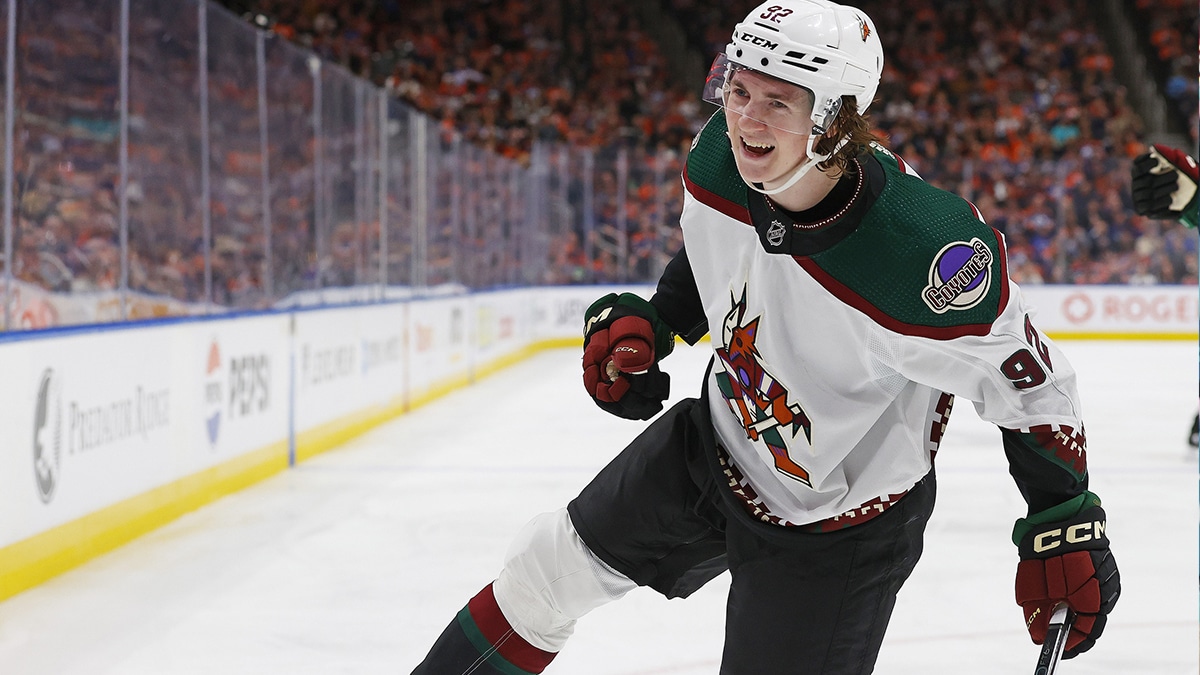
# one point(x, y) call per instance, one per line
point(1116, 311)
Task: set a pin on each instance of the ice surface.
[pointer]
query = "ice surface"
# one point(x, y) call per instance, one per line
point(354, 561)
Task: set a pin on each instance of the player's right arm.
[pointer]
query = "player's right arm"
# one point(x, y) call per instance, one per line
point(626, 336)
point(677, 299)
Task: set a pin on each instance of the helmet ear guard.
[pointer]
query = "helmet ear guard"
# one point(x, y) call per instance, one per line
point(827, 114)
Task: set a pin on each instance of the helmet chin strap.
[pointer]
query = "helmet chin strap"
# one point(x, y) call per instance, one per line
point(803, 168)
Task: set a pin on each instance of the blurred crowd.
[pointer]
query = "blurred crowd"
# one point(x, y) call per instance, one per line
point(1014, 105)
point(503, 73)
point(1170, 31)
point(68, 147)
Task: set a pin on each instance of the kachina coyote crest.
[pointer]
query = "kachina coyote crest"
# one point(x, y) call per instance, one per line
point(756, 398)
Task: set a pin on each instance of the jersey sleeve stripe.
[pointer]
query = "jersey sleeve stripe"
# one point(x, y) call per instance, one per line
point(1002, 251)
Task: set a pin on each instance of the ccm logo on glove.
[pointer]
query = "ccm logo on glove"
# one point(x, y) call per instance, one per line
point(1075, 534)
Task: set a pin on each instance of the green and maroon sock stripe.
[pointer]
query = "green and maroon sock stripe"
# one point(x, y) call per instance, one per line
point(488, 630)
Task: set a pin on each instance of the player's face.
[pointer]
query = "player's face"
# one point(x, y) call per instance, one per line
point(769, 124)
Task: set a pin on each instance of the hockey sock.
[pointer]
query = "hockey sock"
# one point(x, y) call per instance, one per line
point(480, 641)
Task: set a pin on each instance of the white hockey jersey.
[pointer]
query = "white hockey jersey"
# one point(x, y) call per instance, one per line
point(840, 342)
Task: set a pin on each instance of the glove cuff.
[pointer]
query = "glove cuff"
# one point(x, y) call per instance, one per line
point(1180, 160)
point(1190, 215)
point(1064, 511)
point(1081, 531)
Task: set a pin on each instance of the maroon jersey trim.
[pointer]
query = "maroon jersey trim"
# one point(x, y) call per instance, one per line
point(853, 299)
point(850, 297)
point(715, 201)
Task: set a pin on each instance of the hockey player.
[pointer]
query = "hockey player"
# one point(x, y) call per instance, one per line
point(1163, 185)
point(848, 303)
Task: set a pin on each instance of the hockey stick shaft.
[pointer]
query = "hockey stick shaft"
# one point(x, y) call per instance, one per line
point(1056, 639)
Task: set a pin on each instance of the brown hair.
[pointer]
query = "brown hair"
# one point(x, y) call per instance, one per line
point(852, 126)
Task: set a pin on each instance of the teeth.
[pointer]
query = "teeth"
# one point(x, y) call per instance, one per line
point(757, 146)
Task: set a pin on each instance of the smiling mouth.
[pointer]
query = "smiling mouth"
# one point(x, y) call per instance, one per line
point(756, 149)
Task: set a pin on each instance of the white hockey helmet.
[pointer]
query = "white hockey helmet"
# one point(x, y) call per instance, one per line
point(829, 49)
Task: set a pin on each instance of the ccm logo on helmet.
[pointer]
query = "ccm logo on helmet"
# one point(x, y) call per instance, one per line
point(758, 41)
point(1075, 534)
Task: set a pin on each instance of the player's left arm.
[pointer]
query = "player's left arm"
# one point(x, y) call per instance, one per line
point(677, 300)
point(1021, 381)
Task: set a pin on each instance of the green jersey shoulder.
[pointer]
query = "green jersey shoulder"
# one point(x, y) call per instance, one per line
point(921, 260)
point(922, 256)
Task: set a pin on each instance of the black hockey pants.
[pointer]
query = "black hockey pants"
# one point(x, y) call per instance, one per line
point(799, 603)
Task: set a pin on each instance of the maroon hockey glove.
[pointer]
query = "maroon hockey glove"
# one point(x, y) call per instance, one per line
point(1065, 558)
point(1164, 185)
point(623, 341)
